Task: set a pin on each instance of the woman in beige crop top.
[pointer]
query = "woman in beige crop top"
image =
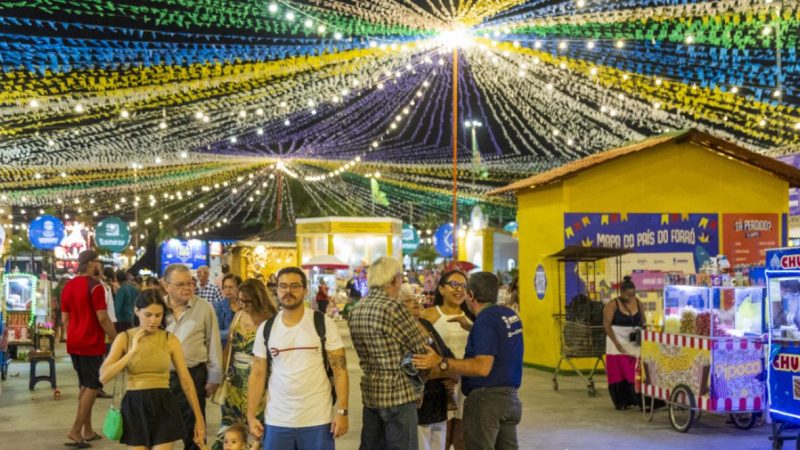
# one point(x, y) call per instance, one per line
point(150, 414)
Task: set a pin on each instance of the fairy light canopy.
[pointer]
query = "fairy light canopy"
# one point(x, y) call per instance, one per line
point(197, 116)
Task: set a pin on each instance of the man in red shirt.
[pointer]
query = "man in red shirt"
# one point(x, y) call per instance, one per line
point(83, 312)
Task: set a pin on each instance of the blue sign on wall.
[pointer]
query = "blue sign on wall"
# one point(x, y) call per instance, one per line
point(46, 232)
point(443, 240)
point(192, 253)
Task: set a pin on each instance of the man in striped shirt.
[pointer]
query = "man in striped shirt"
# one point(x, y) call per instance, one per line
point(383, 333)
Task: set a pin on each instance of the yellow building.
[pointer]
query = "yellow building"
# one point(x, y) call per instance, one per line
point(695, 186)
point(354, 240)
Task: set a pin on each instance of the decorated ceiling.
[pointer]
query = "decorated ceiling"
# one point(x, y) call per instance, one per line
point(210, 115)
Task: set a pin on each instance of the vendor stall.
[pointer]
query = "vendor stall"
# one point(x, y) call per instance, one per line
point(251, 257)
point(25, 305)
point(783, 368)
point(353, 240)
point(706, 360)
point(329, 271)
point(674, 200)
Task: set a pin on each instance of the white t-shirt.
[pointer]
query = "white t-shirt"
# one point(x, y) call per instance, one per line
point(299, 391)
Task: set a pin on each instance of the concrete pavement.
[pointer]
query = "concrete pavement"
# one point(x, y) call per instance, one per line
point(566, 419)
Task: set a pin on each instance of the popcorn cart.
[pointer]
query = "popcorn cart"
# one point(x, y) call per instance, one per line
point(709, 356)
point(783, 370)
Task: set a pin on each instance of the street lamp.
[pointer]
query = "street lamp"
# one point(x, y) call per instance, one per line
point(474, 125)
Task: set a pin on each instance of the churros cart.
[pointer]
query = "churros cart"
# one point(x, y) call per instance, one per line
point(783, 368)
point(705, 359)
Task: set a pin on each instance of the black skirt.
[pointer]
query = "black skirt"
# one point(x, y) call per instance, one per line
point(150, 417)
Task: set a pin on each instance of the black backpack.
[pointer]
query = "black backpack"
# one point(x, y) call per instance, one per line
point(319, 326)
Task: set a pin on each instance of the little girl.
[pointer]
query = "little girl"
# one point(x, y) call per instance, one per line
point(235, 438)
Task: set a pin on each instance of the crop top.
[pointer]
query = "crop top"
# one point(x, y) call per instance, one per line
point(149, 367)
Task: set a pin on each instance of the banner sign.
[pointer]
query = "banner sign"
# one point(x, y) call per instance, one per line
point(192, 253)
point(113, 234)
point(746, 237)
point(645, 233)
point(410, 239)
point(668, 241)
point(443, 240)
point(46, 232)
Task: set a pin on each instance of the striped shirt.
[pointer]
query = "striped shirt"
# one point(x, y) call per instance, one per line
point(383, 332)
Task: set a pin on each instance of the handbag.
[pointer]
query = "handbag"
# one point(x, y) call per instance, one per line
point(222, 391)
point(112, 424)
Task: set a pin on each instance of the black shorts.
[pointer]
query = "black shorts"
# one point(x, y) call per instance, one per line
point(88, 368)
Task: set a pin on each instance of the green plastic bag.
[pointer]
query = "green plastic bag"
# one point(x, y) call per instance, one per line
point(112, 425)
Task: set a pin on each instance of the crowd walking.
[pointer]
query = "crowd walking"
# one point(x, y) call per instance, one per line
point(277, 369)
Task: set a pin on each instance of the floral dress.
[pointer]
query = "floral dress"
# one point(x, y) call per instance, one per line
point(234, 409)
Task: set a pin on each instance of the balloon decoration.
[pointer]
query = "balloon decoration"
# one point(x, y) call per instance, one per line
point(200, 115)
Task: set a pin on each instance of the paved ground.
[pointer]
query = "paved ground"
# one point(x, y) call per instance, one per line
point(567, 419)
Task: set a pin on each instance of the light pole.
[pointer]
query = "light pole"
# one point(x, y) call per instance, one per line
point(473, 125)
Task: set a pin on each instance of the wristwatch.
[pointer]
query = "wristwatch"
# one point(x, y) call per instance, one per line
point(342, 412)
point(443, 365)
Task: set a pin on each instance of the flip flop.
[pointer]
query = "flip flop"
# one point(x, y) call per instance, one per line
point(81, 444)
point(96, 437)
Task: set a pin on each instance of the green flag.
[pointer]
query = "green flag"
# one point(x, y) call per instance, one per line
point(378, 196)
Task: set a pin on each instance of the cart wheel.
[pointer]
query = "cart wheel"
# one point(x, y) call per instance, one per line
point(555, 385)
point(682, 408)
point(591, 390)
point(56, 394)
point(744, 421)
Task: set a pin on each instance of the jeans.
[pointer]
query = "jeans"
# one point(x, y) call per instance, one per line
point(199, 375)
point(390, 428)
point(302, 438)
point(491, 416)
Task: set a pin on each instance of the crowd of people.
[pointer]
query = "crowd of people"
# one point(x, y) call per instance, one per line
point(277, 368)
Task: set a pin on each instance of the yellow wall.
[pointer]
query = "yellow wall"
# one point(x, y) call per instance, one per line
point(672, 178)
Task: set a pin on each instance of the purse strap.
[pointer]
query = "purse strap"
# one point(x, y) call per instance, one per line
point(124, 372)
point(234, 323)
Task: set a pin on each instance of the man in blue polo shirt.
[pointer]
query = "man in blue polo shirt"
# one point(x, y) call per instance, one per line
point(491, 368)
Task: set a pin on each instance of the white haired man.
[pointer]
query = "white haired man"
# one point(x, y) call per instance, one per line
point(383, 333)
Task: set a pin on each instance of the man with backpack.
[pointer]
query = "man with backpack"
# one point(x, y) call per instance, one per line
point(301, 354)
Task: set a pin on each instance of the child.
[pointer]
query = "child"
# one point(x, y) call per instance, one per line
point(235, 438)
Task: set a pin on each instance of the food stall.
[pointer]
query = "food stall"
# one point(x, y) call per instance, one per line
point(252, 257)
point(328, 270)
point(709, 356)
point(353, 240)
point(783, 370)
point(25, 305)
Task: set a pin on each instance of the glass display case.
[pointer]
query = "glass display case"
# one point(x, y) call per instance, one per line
point(714, 311)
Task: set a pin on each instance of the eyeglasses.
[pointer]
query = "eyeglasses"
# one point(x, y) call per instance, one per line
point(184, 285)
point(292, 287)
point(455, 285)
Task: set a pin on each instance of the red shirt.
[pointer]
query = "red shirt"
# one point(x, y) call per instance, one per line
point(85, 336)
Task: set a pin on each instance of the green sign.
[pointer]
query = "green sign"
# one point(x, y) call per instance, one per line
point(410, 239)
point(112, 234)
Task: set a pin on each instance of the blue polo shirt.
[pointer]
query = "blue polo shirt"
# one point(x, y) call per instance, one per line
point(497, 332)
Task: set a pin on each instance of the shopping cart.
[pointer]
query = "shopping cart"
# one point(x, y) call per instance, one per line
point(579, 340)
